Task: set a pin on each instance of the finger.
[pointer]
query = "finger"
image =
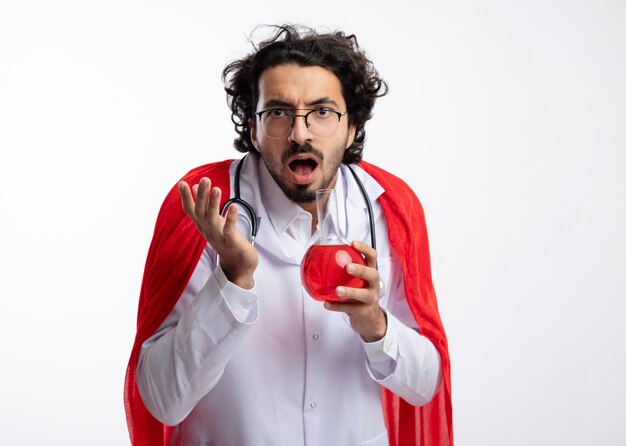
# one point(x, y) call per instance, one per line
point(213, 211)
point(347, 308)
point(231, 221)
point(370, 253)
point(363, 295)
point(187, 199)
point(202, 193)
point(367, 273)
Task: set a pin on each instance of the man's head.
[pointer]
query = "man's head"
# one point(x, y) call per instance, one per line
point(297, 72)
point(361, 85)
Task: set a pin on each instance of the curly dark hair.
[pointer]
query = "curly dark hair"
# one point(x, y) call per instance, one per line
point(304, 46)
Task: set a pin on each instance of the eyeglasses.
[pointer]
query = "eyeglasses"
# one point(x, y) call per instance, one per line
point(322, 122)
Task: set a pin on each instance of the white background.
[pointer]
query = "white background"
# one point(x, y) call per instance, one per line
point(507, 118)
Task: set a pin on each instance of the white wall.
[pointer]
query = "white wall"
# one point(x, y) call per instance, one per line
point(507, 118)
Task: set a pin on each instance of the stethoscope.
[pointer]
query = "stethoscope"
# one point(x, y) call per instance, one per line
point(252, 218)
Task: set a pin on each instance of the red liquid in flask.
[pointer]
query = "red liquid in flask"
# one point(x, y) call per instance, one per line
point(324, 269)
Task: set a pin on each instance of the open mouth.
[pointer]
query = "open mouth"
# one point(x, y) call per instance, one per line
point(302, 169)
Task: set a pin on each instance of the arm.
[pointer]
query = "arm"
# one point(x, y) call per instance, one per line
point(207, 319)
point(404, 361)
point(187, 355)
point(398, 356)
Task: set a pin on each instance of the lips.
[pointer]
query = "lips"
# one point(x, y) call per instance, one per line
point(302, 168)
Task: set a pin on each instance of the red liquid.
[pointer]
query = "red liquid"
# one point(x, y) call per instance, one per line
point(323, 270)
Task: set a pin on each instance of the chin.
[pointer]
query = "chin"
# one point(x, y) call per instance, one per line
point(301, 193)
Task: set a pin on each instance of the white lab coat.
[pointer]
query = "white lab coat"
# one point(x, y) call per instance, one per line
point(271, 366)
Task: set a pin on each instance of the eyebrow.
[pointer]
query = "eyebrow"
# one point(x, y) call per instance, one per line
point(285, 104)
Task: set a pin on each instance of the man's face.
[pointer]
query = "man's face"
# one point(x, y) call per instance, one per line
point(301, 162)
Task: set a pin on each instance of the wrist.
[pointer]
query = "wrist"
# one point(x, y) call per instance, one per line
point(380, 328)
point(243, 279)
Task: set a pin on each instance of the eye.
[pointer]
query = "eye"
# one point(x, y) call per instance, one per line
point(323, 112)
point(276, 113)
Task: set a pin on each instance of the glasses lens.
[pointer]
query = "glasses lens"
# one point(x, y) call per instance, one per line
point(323, 123)
point(276, 123)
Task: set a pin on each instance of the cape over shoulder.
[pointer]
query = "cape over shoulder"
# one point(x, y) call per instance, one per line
point(173, 232)
point(430, 424)
point(174, 252)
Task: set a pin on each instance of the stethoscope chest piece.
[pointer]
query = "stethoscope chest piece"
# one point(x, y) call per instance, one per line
point(381, 288)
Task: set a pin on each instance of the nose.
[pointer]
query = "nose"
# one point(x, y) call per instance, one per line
point(299, 132)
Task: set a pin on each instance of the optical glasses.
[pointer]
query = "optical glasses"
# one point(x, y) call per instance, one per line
point(322, 122)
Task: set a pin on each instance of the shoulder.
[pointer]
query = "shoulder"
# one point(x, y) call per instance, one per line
point(215, 171)
point(395, 187)
point(171, 212)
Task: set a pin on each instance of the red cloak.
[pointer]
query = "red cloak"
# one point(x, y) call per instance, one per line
point(177, 246)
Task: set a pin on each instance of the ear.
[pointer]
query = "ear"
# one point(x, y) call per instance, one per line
point(252, 127)
point(351, 134)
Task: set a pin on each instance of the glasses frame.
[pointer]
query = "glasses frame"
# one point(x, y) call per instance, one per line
point(305, 116)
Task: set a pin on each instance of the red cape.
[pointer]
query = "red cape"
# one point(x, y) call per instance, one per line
point(177, 246)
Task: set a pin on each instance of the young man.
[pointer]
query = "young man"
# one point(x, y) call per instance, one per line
point(230, 348)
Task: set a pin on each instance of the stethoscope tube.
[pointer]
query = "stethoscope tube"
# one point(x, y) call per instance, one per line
point(368, 203)
point(238, 200)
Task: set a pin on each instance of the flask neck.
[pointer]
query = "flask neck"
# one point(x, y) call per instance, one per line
point(327, 217)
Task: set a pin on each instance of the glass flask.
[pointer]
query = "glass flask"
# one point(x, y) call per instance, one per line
point(323, 268)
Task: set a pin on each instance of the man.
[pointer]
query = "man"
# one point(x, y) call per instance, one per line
point(230, 348)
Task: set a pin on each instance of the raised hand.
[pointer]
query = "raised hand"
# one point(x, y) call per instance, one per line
point(238, 258)
point(366, 316)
